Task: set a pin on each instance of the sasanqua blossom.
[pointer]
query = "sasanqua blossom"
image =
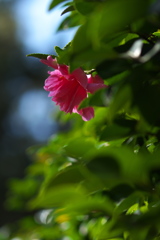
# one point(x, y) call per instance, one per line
point(68, 90)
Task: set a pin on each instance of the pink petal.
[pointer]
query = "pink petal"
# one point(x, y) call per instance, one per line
point(94, 79)
point(63, 69)
point(65, 93)
point(80, 76)
point(73, 96)
point(95, 83)
point(50, 62)
point(93, 87)
point(78, 96)
point(86, 113)
point(69, 90)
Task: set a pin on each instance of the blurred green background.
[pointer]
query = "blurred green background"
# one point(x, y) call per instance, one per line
point(26, 113)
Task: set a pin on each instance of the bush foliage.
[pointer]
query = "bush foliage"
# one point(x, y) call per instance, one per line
point(100, 180)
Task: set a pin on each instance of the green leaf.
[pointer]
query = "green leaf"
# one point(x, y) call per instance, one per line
point(119, 192)
point(73, 20)
point(91, 57)
point(70, 175)
point(96, 203)
point(92, 128)
point(111, 67)
point(105, 24)
point(136, 197)
point(81, 39)
point(115, 166)
point(121, 100)
point(148, 106)
point(82, 52)
point(58, 50)
point(103, 228)
point(117, 131)
point(115, 79)
point(58, 196)
point(30, 189)
point(54, 3)
point(77, 147)
point(107, 166)
point(40, 55)
point(114, 132)
point(157, 34)
point(68, 9)
point(85, 7)
point(96, 99)
point(125, 60)
point(63, 54)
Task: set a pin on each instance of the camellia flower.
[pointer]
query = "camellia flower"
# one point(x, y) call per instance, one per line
point(68, 90)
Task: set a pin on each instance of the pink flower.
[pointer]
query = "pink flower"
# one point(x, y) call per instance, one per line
point(68, 90)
